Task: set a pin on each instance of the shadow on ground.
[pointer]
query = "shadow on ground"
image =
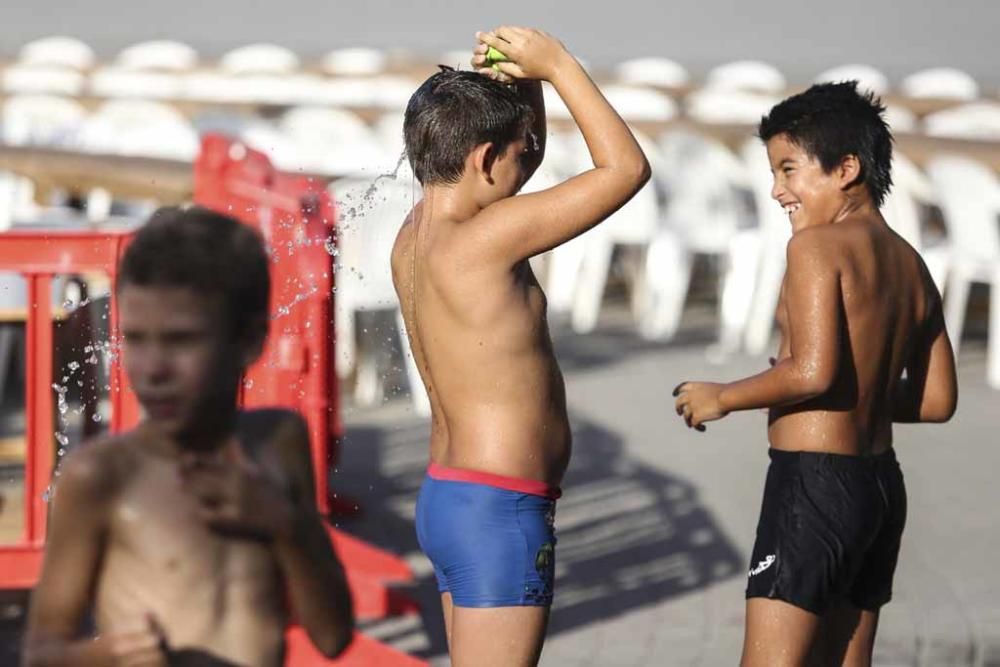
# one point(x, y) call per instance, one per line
point(628, 535)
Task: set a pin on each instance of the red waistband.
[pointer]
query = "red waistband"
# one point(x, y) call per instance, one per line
point(532, 487)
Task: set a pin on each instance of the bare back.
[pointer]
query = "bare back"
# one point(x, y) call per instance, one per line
point(480, 338)
point(886, 298)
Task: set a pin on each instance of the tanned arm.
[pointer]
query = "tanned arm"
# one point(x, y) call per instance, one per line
point(813, 298)
point(516, 228)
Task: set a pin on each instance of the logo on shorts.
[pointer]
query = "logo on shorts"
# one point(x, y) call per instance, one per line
point(545, 560)
point(764, 564)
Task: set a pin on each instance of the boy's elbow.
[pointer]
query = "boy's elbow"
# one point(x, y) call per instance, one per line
point(815, 382)
point(332, 644)
point(941, 410)
point(641, 172)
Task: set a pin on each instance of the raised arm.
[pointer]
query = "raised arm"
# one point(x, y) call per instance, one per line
point(929, 392)
point(519, 227)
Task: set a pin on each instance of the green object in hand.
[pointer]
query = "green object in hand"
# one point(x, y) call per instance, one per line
point(494, 56)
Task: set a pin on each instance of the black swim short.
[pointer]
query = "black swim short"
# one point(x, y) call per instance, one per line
point(829, 530)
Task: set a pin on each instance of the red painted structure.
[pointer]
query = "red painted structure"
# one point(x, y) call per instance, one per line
point(296, 216)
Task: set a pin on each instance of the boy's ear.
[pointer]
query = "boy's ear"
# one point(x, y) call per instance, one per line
point(482, 159)
point(849, 171)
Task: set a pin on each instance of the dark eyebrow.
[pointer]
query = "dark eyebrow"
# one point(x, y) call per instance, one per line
point(787, 160)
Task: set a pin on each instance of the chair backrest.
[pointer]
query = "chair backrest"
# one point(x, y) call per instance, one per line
point(752, 75)
point(969, 195)
point(714, 105)
point(901, 209)
point(652, 71)
point(369, 214)
point(334, 141)
point(354, 62)
point(41, 120)
point(940, 82)
point(116, 81)
point(142, 128)
point(868, 77)
point(42, 80)
point(980, 120)
point(703, 180)
point(900, 119)
point(58, 51)
point(259, 59)
point(158, 54)
point(640, 104)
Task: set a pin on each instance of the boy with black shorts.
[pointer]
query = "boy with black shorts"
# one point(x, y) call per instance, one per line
point(863, 345)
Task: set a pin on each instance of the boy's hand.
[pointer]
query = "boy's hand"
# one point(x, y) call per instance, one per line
point(235, 496)
point(698, 402)
point(531, 54)
point(143, 647)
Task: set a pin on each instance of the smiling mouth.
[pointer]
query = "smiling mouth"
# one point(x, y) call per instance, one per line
point(791, 208)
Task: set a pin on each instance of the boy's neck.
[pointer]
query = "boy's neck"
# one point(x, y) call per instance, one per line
point(205, 441)
point(857, 205)
point(450, 202)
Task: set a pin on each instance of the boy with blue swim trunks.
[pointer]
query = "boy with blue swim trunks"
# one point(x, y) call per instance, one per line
point(475, 315)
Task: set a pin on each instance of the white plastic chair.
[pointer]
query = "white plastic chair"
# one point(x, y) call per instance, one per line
point(355, 61)
point(58, 51)
point(911, 190)
point(27, 79)
point(40, 120)
point(259, 59)
point(900, 119)
point(369, 215)
point(775, 231)
point(634, 224)
point(940, 82)
point(334, 141)
point(640, 104)
point(141, 128)
point(704, 214)
point(116, 81)
point(37, 120)
point(652, 71)
point(969, 196)
point(868, 77)
point(750, 75)
point(160, 54)
point(980, 120)
point(718, 105)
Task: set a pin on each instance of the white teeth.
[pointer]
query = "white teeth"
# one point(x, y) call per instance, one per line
point(791, 208)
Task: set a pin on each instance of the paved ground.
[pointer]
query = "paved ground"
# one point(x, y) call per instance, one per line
point(657, 522)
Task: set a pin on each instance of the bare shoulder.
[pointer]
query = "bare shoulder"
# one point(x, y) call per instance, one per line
point(817, 247)
point(402, 248)
point(96, 470)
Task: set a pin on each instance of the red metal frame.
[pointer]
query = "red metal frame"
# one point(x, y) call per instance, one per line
point(296, 216)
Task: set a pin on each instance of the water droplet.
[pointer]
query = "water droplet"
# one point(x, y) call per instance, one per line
point(62, 439)
point(248, 383)
point(97, 417)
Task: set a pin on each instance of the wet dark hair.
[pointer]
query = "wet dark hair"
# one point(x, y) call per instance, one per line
point(208, 252)
point(451, 113)
point(833, 120)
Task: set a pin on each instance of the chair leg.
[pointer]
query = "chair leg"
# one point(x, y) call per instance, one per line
point(766, 294)
point(345, 346)
point(993, 350)
point(955, 302)
point(668, 275)
point(742, 262)
point(590, 285)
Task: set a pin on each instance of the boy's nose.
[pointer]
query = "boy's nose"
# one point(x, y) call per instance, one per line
point(776, 190)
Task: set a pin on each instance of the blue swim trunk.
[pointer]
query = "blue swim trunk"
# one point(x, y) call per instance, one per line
point(490, 538)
